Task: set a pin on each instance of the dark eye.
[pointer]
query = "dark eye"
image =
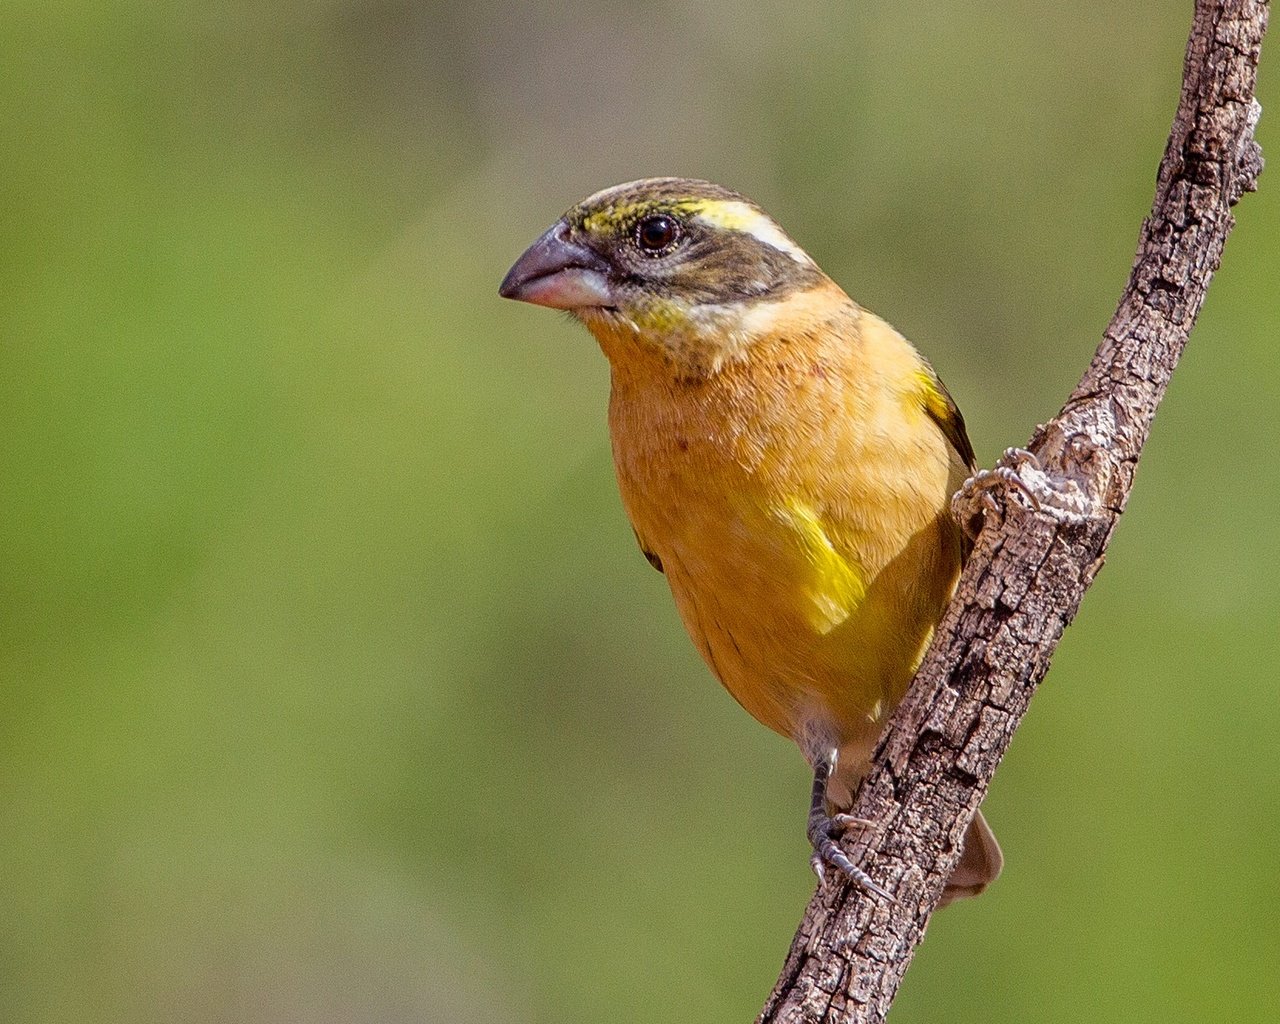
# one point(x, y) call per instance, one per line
point(657, 233)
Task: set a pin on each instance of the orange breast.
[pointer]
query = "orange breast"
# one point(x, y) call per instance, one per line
point(797, 499)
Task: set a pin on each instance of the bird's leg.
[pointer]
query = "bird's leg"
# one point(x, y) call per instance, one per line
point(975, 500)
point(824, 829)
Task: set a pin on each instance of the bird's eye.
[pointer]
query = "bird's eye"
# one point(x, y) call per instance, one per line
point(657, 233)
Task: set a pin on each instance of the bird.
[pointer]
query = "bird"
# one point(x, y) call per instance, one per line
point(786, 459)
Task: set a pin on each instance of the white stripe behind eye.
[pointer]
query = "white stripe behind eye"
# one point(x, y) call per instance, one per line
point(737, 216)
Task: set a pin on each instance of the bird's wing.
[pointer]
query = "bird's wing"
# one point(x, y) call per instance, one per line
point(942, 409)
point(650, 557)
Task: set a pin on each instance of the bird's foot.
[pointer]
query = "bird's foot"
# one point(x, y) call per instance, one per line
point(977, 498)
point(824, 830)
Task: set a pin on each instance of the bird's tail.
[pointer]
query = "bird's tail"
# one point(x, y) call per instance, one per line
point(980, 863)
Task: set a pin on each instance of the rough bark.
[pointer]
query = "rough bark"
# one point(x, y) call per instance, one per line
point(1031, 566)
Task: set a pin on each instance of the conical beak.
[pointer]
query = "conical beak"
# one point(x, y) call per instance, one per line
point(558, 272)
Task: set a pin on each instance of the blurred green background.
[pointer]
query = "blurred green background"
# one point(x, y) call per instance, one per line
point(334, 686)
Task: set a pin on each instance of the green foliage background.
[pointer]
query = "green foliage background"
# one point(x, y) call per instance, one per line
point(333, 685)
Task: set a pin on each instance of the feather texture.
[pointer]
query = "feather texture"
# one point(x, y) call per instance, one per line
point(797, 500)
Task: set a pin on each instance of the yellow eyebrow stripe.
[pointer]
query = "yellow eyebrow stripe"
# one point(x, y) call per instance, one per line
point(726, 214)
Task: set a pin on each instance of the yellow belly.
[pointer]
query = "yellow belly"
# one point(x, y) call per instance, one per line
point(810, 560)
point(815, 638)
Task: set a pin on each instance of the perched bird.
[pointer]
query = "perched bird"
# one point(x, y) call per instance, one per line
point(785, 457)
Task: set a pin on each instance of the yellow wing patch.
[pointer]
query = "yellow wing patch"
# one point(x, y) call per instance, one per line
point(835, 586)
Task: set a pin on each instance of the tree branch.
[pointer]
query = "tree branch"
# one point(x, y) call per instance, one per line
point(1031, 567)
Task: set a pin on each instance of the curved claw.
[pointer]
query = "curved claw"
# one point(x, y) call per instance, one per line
point(825, 851)
point(974, 502)
point(841, 823)
point(819, 868)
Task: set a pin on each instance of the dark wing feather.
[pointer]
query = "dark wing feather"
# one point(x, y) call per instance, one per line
point(652, 559)
point(942, 409)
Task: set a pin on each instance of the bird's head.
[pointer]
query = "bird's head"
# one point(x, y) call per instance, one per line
point(684, 268)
